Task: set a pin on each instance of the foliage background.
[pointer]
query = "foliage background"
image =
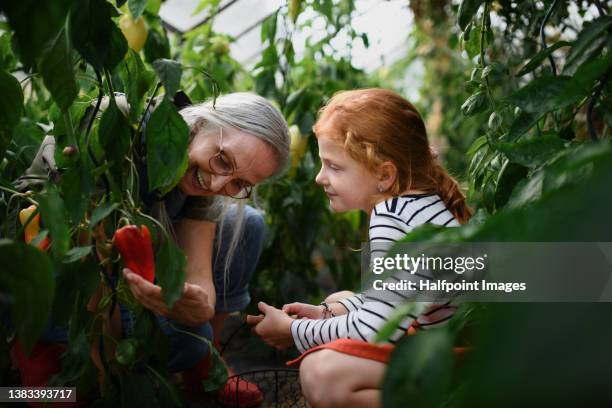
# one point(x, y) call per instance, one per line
point(523, 122)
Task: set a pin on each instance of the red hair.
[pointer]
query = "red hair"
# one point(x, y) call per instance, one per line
point(378, 125)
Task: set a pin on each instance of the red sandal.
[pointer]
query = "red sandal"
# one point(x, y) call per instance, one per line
point(237, 392)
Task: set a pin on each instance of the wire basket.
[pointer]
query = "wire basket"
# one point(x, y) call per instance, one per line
point(280, 388)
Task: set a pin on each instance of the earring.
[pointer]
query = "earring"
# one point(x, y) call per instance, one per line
point(380, 188)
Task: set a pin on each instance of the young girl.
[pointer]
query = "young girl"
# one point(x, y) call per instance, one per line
point(375, 157)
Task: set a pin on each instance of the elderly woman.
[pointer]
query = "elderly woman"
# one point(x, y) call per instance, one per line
point(234, 145)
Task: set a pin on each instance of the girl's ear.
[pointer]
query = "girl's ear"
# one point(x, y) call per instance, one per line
point(387, 175)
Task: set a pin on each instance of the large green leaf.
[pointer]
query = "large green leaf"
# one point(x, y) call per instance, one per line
point(53, 217)
point(157, 46)
point(36, 22)
point(420, 370)
point(533, 152)
point(169, 73)
point(522, 123)
point(115, 134)
point(77, 186)
point(508, 177)
point(525, 355)
point(467, 9)
point(76, 279)
point(137, 81)
point(95, 35)
point(541, 56)
point(57, 70)
point(170, 265)
point(591, 38)
point(11, 106)
point(27, 279)
point(540, 95)
point(167, 141)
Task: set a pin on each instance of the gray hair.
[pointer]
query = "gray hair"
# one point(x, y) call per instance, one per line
point(246, 112)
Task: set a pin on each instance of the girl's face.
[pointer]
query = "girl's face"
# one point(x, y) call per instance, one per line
point(348, 184)
point(246, 158)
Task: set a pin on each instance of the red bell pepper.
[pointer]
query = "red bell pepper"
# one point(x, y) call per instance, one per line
point(134, 245)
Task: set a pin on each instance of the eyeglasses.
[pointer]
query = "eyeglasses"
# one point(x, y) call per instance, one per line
point(221, 164)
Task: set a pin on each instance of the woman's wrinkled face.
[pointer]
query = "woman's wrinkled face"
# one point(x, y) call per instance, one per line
point(251, 159)
point(347, 183)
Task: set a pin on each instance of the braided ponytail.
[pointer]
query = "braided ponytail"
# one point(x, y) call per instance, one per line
point(449, 191)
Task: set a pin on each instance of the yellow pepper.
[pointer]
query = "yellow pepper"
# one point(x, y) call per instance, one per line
point(33, 228)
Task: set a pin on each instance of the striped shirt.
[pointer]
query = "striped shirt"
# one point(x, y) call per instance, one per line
point(390, 221)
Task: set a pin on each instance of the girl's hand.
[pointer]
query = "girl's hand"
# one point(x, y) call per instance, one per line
point(274, 326)
point(192, 309)
point(302, 310)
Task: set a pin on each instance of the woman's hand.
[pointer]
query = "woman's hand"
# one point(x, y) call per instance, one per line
point(302, 310)
point(192, 309)
point(273, 326)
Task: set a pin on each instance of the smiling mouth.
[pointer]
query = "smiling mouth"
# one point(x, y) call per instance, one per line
point(200, 180)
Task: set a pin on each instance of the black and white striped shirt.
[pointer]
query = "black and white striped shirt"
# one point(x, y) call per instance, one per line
point(390, 221)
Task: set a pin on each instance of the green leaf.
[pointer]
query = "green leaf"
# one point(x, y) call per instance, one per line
point(589, 40)
point(11, 105)
point(467, 10)
point(157, 46)
point(115, 134)
point(414, 308)
point(471, 42)
point(53, 216)
point(77, 280)
point(476, 103)
point(170, 267)
point(541, 56)
point(77, 186)
point(508, 177)
point(587, 75)
point(523, 122)
point(533, 152)
point(102, 212)
point(126, 351)
point(169, 73)
point(137, 80)
point(137, 7)
point(27, 279)
point(95, 35)
point(540, 95)
point(268, 28)
point(76, 253)
point(57, 71)
point(75, 362)
point(153, 6)
point(426, 380)
point(167, 140)
point(493, 68)
point(35, 22)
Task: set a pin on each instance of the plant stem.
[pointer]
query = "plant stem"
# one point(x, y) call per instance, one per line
point(483, 64)
point(69, 129)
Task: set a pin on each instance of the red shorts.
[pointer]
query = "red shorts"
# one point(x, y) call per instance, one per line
point(357, 348)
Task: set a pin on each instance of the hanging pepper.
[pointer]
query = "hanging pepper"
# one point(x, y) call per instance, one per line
point(134, 245)
point(33, 228)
